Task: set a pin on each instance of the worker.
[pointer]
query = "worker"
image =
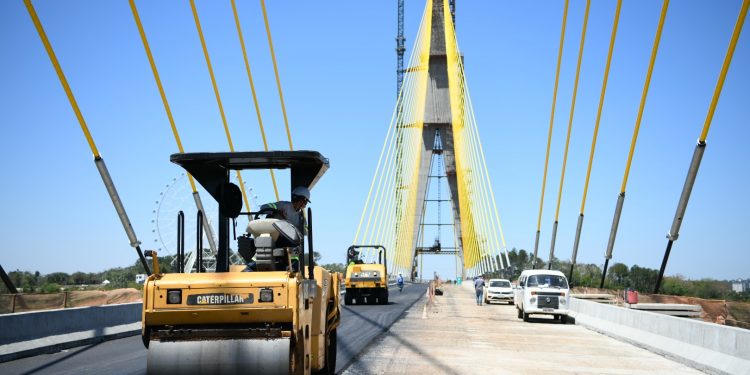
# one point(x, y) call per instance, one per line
point(352, 257)
point(292, 212)
point(400, 282)
point(479, 289)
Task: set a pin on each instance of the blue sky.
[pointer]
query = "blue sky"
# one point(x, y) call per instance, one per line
point(337, 66)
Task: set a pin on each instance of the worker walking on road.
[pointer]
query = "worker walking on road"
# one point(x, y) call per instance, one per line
point(479, 289)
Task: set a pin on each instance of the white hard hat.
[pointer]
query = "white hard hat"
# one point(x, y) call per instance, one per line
point(301, 191)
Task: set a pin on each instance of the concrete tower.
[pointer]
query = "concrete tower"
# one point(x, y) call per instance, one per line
point(437, 119)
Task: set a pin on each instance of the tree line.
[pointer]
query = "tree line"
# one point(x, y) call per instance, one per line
point(620, 276)
point(119, 277)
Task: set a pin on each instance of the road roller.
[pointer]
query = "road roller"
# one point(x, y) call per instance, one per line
point(276, 314)
point(366, 282)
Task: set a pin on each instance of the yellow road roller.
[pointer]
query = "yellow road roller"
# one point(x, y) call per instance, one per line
point(366, 283)
point(276, 315)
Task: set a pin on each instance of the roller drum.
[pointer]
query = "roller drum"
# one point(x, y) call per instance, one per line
point(256, 356)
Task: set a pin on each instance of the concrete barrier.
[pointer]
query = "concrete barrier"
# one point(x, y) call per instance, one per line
point(708, 347)
point(32, 333)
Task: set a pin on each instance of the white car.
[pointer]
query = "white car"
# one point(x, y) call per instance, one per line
point(542, 292)
point(498, 290)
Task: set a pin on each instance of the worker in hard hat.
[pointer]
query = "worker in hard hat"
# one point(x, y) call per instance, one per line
point(292, 212)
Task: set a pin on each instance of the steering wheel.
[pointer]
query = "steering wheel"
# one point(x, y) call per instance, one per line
point(267, 211)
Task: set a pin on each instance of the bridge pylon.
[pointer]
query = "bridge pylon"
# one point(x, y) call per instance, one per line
point(433, 117)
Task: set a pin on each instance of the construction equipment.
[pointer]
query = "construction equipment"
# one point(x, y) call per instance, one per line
point(279, 317)
point(366, 283)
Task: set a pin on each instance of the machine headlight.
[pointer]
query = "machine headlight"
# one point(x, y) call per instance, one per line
point(174, 296)
point(532, 300)
point(266, 295)
point(356, 275)
point(562, 300)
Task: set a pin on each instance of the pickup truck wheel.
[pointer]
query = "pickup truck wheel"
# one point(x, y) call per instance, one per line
point(563, 319)
point(525, 317)
point(520, 313)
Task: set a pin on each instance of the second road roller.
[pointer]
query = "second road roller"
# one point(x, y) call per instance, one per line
point(276, 314)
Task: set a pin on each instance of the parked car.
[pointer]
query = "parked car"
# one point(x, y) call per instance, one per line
point(542, 292)
point(498, 290)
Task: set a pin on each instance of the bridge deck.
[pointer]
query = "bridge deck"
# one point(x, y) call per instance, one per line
point(455, 336)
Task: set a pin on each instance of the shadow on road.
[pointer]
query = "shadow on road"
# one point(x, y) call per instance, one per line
point(415, 349)
point(571, 320)
point(61, 359)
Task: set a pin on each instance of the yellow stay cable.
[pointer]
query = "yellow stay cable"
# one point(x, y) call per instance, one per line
point(552, 115)
point(159, 85)
point(646, 85)
point(98, 160)
point(724, 69)
point(407, 149)
point(61, 76)
point(396, 119)
point(252, 89)
point(218, 97)
point(601, 103)
point(489, 181)
point(485, 181)
point(276, 72)
point(468, 236)
point(572, 108)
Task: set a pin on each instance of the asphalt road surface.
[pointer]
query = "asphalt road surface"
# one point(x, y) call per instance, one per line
point(360, 325)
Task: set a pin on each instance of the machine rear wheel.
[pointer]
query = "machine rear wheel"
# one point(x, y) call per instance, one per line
point(525, 317)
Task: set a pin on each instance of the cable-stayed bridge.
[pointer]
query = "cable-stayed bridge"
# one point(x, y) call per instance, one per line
point(431, 194)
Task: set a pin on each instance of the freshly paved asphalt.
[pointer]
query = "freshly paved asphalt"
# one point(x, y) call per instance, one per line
point(360, 325)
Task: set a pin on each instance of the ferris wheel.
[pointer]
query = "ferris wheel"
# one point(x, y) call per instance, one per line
point(177, 196)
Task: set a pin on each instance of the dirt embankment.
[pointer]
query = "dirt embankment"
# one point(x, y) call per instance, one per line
point(10, 303)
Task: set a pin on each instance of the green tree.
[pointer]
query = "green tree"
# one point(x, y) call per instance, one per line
point(676, 286)
point(61, 278)
point(618, 276)
point(642, 279)
point(334, 267)
point(78, 278)
point(50, 288)
point(587, 275)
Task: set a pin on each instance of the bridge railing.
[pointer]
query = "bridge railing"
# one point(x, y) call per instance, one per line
point(710, 347)
point(32, 333)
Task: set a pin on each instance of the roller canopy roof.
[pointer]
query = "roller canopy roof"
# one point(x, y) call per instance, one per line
point(211, 169)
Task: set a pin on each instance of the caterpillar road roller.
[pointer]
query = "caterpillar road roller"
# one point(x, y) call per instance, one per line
point(276, 315)
point(366, 282)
